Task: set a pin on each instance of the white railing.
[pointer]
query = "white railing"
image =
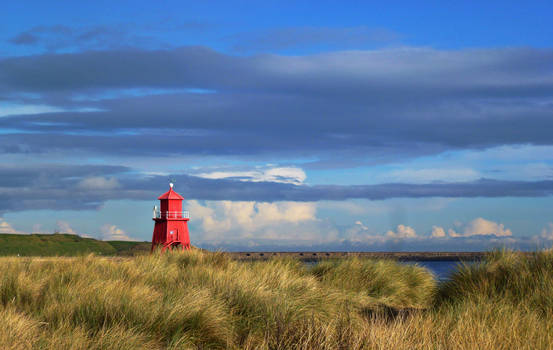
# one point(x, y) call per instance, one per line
point(171, 214)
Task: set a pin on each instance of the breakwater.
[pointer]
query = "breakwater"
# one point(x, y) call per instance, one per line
point(411, 256)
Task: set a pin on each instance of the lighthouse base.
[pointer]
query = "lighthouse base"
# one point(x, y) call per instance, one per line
point(171, 246)
point(170, 234)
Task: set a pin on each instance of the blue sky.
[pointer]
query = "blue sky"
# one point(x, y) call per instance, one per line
point(286, 125)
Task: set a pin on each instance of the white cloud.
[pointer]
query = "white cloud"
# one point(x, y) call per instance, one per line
point(438, 232)
point(361, 225)
point(547, 232)
point(98, 183)
point(65, 227)
point(235, 221)
point(6, 227)
point(11, 109)
point(361, 233)
point(481, 226)
point(290, 175)
point(402, 231)
point(477, 228)
point(113, 233)
point(226, 215)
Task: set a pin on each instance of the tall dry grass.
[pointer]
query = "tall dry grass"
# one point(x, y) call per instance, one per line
point(385, 282)
point(199, 300)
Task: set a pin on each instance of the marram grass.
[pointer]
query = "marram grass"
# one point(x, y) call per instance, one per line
point(199, 300)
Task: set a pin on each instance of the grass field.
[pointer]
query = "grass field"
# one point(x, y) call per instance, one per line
point(200, 300)
point(63, 244)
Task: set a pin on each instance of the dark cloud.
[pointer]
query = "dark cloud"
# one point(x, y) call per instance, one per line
point(312, 37)
point(24, 38)
point(60, 37)
point(33, 176)
point(409, 73)
point(87, 187)
point(265, 191)
point(358, 107)
point(147, 35)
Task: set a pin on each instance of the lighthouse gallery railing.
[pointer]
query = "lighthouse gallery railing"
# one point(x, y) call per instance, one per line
point(171, 214)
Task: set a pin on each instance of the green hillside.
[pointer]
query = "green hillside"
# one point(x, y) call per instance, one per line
point(63, 244)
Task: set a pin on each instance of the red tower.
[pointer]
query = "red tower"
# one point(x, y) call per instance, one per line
point(171, 228)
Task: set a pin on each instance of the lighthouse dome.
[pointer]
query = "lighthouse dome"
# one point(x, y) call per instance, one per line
point(171, 195)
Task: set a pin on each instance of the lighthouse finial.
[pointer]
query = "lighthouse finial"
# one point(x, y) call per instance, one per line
point(171, 182)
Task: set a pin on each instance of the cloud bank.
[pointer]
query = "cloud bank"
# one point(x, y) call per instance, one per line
point(6, 227)
point(90, 186)
point(345, 107)
point(262, 226)
point(113, 233)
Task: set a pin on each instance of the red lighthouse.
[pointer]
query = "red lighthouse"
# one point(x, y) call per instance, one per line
point(171, 228)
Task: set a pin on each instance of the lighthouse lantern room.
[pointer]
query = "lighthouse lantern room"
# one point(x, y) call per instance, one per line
point(171, 222)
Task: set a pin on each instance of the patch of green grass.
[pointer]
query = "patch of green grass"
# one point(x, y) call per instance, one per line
point(129, 247)
point(62, 244)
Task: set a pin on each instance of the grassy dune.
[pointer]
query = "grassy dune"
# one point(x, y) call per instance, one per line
point(208, 301)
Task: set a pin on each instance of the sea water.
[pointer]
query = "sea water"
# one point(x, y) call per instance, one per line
point(442, 269)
